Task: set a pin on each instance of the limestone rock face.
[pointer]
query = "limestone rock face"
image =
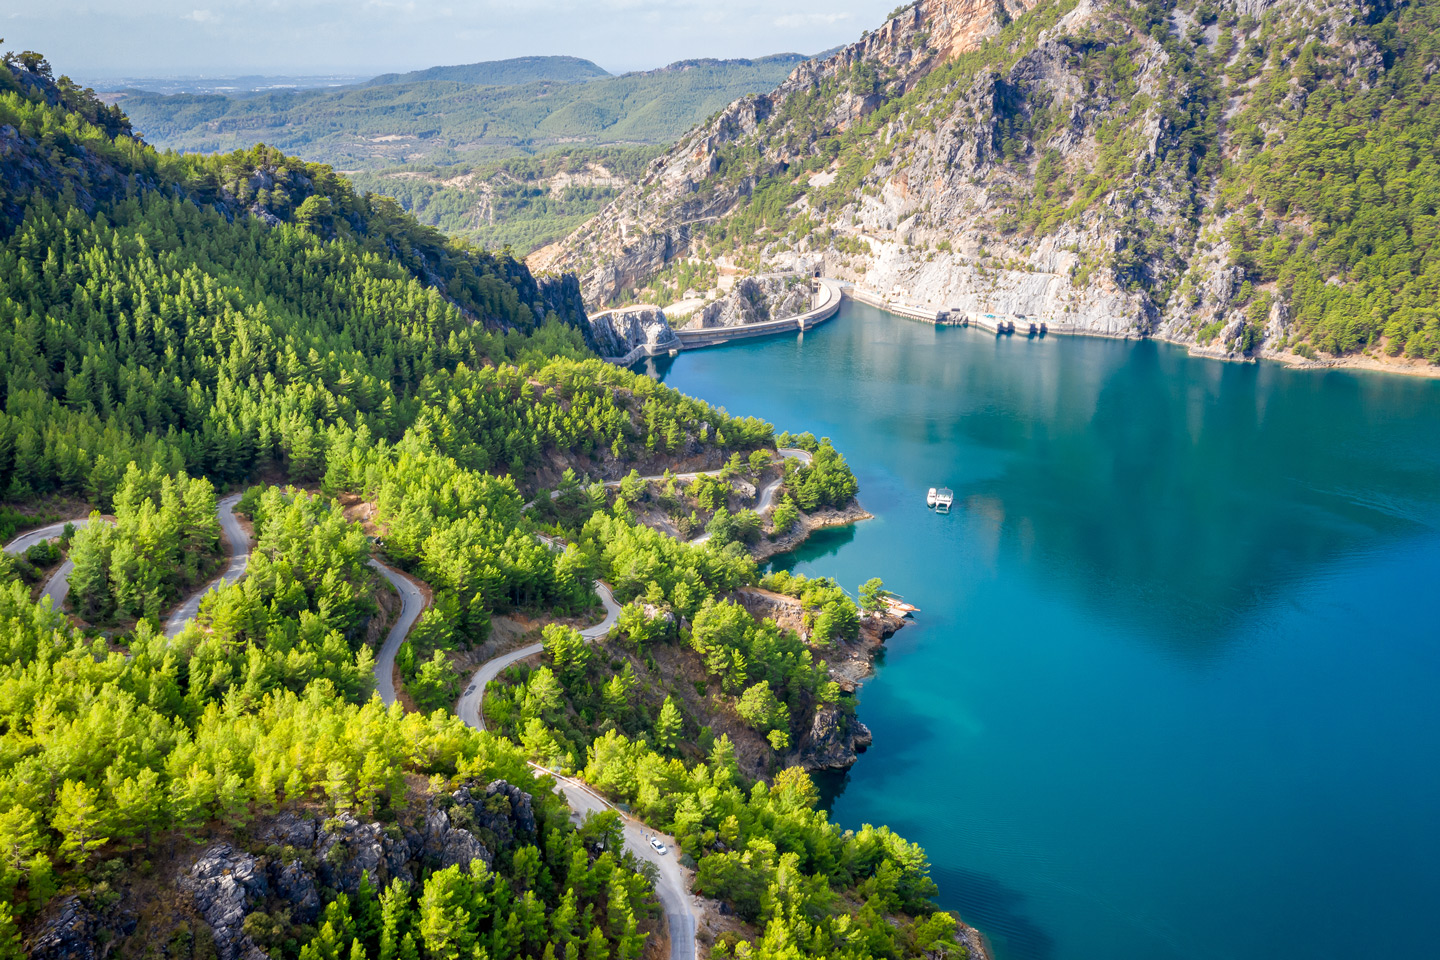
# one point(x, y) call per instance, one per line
point(756, 300)
point(69, 933)
point(618, 332)
point(227, 884)
point(835, 740)
point(933, 210)
point(650, 224)
point(295, 885)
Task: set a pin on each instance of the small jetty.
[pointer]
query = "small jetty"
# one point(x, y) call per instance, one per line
point(896, 605)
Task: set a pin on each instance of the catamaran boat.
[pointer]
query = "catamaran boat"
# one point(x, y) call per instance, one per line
point(944, 497)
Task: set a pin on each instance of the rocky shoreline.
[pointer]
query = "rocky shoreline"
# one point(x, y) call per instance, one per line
point(809, 523)
point(1399, 366)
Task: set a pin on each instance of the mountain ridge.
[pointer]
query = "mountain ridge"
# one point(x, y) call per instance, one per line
point(443, 121)
point(512, 72)
point(1107, 166)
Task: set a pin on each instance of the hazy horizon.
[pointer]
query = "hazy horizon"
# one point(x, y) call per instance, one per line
point(321, 38)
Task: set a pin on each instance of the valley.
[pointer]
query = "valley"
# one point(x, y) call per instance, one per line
point(410, 556)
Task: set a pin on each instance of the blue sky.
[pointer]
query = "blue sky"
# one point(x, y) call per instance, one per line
point(93, 38)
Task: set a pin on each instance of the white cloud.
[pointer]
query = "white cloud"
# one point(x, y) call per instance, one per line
point(200, 16)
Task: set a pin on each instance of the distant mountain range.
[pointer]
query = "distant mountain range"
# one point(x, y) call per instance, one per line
point(477, 112)
point(502, 73)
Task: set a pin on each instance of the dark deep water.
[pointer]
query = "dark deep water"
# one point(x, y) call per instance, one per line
point(1173, 689)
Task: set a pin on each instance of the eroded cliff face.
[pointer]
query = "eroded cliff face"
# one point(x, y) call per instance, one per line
point(1061, 159)
point(757, 300)
point(616, 333)
point(655, 222)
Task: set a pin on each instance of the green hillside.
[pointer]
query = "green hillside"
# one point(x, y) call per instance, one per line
point(502, 73)
point(440, 121)
point(523, 203)
point(175, 325)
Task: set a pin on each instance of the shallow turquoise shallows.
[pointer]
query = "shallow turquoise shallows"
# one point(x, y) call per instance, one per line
point(1174, 690)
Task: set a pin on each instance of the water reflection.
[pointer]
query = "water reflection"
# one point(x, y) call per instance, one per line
point(1153, 486)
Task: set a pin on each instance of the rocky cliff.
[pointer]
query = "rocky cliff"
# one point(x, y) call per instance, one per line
point(1107, 166)
point(757, 300)
point(294, 859)
point(617, 332)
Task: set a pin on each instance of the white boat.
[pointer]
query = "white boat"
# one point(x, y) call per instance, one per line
point(899, 607)
point(944, 497)
point(930, 497)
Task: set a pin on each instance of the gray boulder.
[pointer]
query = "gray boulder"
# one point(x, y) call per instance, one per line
point(295, 885)
point(69, 933)
point(348, 850)
point(290, 829)
point(227, 885)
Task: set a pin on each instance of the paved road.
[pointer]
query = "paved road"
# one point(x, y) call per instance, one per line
point(469, 706)
point(57, 588)
point(238, 543)
point(670, 884)
point(412, 605)
point(27, 540)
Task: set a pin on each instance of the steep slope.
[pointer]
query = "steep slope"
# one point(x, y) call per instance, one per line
point(171, 324)
point(437, 121)
point(522, 202)
point(1250, 178)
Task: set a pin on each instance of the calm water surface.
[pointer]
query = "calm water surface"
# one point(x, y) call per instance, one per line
point(1175, 688)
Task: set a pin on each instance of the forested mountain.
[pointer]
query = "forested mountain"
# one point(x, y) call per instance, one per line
point(449, 118)
point(502, 73)
point(523, 202)
point(1249, 178)
point(171, 325)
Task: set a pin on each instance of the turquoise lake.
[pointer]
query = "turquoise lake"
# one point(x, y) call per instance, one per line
point(1174, 690)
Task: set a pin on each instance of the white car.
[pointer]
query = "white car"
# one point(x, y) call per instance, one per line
point(660, 848)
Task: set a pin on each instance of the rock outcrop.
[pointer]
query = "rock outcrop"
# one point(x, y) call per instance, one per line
point(835, 740)
point(756, 300)
point(227, 885)
point(303, 854)
point(653, 222)
point(71, 931)
point(618, 332)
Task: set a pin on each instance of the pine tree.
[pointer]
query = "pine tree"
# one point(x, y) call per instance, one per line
point(20, 837)
point(80, 819)
point(394, 915)
point(11, 947)
point(668, 726)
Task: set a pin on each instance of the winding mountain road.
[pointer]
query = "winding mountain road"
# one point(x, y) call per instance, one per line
point(412, 605)
point(670, 885)
point(57, 588)
point(237, 541)
point(469, 706)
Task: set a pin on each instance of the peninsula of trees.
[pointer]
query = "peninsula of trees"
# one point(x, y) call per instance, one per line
point(173, 326)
